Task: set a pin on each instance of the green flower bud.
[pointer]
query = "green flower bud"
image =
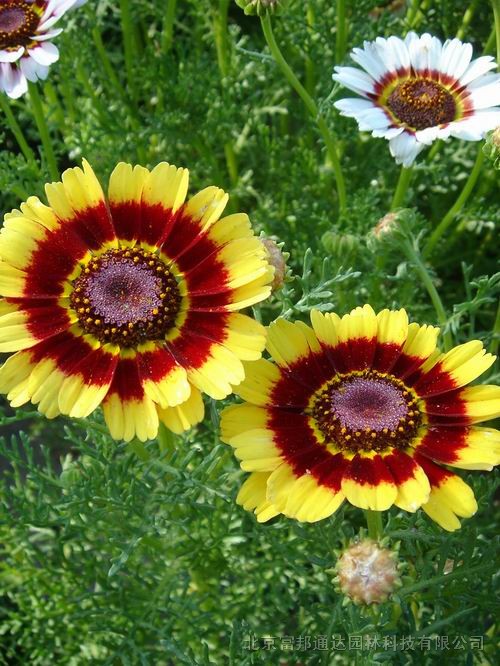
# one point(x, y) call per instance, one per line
point(343, 247)
point(491, 147)
point(263, 7)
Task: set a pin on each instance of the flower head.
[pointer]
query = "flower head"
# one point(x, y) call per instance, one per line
point(367, 573)
point(26, 50)
point(417, 90)
point(262, 7)
point(130, 302)
point(363, 408)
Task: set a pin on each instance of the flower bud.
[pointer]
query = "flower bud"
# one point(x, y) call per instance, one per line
point(491, 147)
point(343, 247)
point(385, 225)
point(277, 258)
point(262, 7)
point(367, 573)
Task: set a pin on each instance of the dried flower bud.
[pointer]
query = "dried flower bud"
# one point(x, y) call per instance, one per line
point(276, 258)
point(367, 573)
point(385, 225)
point(262, 7)
point(491, 147)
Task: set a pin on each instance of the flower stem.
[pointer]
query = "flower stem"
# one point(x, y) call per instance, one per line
point(128, 44)
point(341, 41)
point(402, 187)
point(222, 46)
point(374, 523)
point(496, 13)
point(468, 14)
point(414, 256)
point(457, 206)
point(43, 130)
point(495, 341)
point(16, 130)
point(311, 106)
point(107, 66)
point(168, 26)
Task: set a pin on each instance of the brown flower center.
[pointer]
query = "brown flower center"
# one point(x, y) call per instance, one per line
point(126, 297)
point(18, 23)
point(422, 103)
point(366, 411)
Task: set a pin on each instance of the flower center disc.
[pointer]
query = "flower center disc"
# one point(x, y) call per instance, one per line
point(126, 297)
point(18, 23)
point(366, 411)
point(422, 103)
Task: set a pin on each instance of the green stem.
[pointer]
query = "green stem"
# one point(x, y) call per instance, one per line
point(374, 523)
point(341, 41)
point(16, 130)
point(469, 13)
point(489, 42)
point(311, 106)
point(495, 341)
point(222, 46)
point(422, 271)
point(221, 41)
point(128, 44)
point(106, 63)
point(43, 130)
point(412, 12)
point(457, 206)
point(496, 13)
point(402, 187)
point(168, 26)
point(309, 64)
point(444, 578)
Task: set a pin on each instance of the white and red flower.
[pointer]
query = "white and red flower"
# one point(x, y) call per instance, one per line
point(417, 90)
point(26, 49)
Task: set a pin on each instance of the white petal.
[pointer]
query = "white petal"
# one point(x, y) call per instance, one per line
point(425, 52)
point(48, 35)
point(405, 148)
point(32, 70)
point(11, 56)
point(485, 92)
point(372, 119)
point(475, 127)
point(400, 55)
point(12, 80)
point(368, 115)
point(45, 54)
point(350, 106)
point(427, 135)
point(370, 61)
point(455, 58)
point(387, 133)
point(477, 68)
point(354, 79)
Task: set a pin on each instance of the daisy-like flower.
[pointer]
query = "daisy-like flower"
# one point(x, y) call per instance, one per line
point(26, 52)
point(130, 302)
point(363, 408)
point(417, 90)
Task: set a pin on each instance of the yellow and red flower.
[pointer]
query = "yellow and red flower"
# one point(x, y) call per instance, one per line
point(363, 408)
point(130, 302)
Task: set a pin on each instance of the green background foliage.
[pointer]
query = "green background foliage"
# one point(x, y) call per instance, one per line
point(130, 554)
